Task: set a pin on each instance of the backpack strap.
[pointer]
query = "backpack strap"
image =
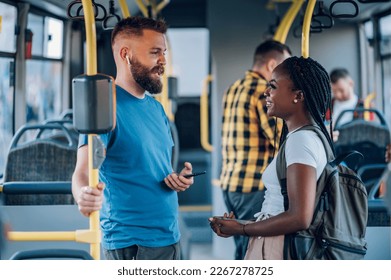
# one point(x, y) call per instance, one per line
point(343, 156)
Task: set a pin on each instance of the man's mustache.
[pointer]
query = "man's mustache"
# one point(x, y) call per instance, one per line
point(158, 69)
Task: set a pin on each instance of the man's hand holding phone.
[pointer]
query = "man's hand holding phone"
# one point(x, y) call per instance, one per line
point(182, 181)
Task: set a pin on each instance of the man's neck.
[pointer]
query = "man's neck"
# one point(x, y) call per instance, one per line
point(132, 88)
point(261, 72)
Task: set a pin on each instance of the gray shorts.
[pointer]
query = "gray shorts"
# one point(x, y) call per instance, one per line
point(137, 252)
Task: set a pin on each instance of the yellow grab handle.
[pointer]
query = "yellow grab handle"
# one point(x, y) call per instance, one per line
point(286, 23)
point(42, 236)
point(161, 5)
point(142, 8)
point(124, 8)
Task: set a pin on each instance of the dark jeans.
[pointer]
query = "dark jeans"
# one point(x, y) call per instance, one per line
point(137, 252)
point(244, 206)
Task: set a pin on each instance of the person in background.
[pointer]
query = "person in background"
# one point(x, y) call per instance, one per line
point(299, 92)
point(249, 137)
point(344, 97)
point(137, 194)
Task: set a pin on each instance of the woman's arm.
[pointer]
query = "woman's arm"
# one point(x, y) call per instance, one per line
point(301, 185)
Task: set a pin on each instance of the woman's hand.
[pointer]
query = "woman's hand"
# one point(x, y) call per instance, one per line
point(225, 226)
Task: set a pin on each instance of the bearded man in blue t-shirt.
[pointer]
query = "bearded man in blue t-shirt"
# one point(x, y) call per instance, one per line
point(139, 214)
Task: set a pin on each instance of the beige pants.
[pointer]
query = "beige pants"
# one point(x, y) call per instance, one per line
point(265, 248)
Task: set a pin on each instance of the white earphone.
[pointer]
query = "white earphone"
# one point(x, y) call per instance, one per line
point(127, 59)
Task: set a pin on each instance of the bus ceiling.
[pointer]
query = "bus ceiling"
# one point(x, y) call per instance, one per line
point(343, 10)
point(59, 8)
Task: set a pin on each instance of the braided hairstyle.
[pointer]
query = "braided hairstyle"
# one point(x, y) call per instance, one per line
point(313, 80)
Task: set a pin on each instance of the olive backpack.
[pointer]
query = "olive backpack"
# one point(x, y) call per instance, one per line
point(337, 229)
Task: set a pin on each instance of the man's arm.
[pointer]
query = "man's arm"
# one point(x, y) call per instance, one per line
point(88, 198)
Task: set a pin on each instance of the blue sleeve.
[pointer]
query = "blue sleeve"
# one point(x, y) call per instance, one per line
point(83, 140)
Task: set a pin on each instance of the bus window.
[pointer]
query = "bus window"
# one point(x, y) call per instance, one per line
point(8, 16)
point(44, 69)
point(385, 31)
point(190, 47)
point(387, 88)
point(368, 60)
point(385, 53)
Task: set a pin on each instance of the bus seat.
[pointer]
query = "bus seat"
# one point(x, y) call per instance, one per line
point(60, 136)
point(21, 136)
point(187, 122)
point(67, 114)
point(370, 138)
point(51, 254)
point(40, 161)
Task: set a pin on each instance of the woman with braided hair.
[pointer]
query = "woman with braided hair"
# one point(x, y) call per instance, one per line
point(299, 93)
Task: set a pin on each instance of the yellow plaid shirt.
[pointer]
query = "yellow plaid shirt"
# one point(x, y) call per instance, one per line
point(248, 135)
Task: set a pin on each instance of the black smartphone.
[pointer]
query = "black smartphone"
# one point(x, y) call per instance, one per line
point(194, 174)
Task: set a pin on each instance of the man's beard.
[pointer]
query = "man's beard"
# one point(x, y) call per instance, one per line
point(143, 76)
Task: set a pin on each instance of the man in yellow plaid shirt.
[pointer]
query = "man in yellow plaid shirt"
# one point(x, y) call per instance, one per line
point(249, 137)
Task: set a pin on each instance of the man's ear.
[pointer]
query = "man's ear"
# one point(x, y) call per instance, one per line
point(351, 82)
point(271, 64)
point(126, 55)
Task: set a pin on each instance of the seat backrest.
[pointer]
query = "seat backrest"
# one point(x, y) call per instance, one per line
point(51, 254)
point(40, 161)
point(366, 137)
point(67, 136)
point(370, 138)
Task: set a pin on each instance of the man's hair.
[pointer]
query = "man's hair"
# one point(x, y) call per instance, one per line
point(134, 26)
point(338, 73)
point(269, 49)
point(313, 80)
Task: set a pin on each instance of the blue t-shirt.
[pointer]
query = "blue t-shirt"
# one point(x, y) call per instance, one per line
point(137, 207)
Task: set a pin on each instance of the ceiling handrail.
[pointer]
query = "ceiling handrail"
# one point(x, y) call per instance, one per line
point(107, 23)
point(344, 15)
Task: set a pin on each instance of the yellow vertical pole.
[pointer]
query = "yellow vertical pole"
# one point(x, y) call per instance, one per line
point(93, 174)
point(367, 105)
point(161, 5)
point(305, 36)
point(286, 23)
point(142, 7)
point(164, 99)
point(124, 8)
point(204, 115)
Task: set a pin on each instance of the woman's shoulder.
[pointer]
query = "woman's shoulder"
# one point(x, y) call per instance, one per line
point(302, 134)
point(307, 138)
